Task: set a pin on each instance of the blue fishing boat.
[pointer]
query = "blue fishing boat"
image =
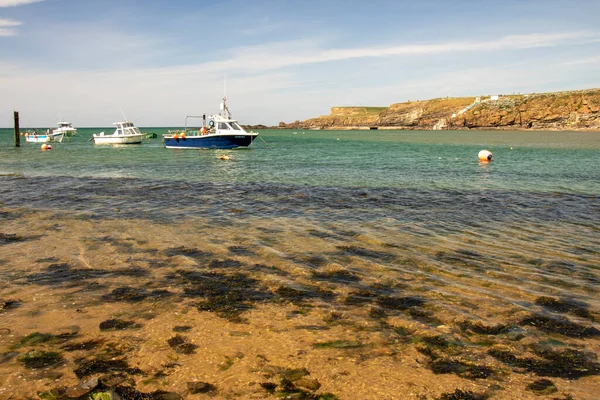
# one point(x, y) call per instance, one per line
point(219, 131)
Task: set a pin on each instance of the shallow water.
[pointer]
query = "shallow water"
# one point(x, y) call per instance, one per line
point(382, 263)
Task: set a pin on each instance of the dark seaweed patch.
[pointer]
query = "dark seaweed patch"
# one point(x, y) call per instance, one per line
point(463, 259)
point(188, 252)
point(135, 272)
point(7, 238)
point(181, 345)
point(132, 295)
point(267, 269)
point(126, 293)
point(292, 294)
point(38, 359)
point(63, 273)
point(87, 345)
point(97, 365)
point(200, 387)
point(116, 324)
point(339, 275)
point(480, 328)
point(227, 263)
point(182, 328)
point(360, 297)
point(562, 326)
point(366, 253)
point(567, 364)
point(9, 304)
point(227, 295)
point(542, 387)
point(47, 260)
point(400, 303)
point(315, 261)
point(437, 348)
point(240, 251)
point(460, 368)
point(459, 394)
point(564, 306)
point(338, 344)
point(323, 235)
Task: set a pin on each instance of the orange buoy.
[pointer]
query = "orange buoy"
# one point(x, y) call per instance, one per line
point(485, 156)
point(175, 136)
point(224, 157)
point(182, 135)
point(46, 147)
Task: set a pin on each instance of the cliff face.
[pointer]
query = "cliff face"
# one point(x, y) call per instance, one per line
point(556, 111)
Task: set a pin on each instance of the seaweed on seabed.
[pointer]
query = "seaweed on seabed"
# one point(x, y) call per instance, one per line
point(459, 394)
point(567, 364)
point(564, 306)
point(480, 328)
point(559, 325)
point(442, 364)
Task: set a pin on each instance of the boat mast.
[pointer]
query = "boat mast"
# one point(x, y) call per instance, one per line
point(224, 108)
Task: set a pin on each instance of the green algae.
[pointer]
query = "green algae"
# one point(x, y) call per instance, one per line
point(35, 359)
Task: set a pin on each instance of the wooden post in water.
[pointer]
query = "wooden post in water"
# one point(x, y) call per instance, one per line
point(17, 137)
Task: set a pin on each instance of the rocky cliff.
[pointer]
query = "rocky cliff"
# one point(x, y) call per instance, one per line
point(547, 111)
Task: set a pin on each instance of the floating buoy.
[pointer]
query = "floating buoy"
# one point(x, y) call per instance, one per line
point(224, 157)
point(485, 155)
point(46, 147)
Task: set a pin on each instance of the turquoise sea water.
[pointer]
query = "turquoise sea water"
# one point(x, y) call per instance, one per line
point(566, 162)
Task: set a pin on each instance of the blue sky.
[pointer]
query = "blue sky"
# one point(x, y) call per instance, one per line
point(158, 60)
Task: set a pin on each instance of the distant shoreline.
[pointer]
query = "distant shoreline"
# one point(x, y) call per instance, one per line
point(560, 111)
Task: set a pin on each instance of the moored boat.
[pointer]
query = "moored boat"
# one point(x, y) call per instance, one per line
point(35, 137)
point(219, 131)
point(65, 128)
point(125, 133)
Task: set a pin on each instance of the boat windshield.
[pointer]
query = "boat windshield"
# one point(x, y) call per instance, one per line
point(235, 126)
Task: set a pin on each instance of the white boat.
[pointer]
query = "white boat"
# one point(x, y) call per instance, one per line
point(126, 133)
point(65, 128)
point(35, 137)
point(220, 132)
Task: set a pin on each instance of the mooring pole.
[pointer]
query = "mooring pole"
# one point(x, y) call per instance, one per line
point(17, 137)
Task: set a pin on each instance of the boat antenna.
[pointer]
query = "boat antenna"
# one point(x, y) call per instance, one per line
point(123, 114)
point(226, 112)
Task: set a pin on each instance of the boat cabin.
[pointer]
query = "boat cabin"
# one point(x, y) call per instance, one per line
point(126, 128)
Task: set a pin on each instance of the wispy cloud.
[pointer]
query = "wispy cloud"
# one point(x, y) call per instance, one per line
point(6, 26)
point(14, 3)
point(279, 55)
point(582, 61)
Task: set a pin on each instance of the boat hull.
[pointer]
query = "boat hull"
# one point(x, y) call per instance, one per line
point(118, 139)
point(210, 141)
point(44, 138)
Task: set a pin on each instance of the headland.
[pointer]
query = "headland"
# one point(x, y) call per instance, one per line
point(570, 110)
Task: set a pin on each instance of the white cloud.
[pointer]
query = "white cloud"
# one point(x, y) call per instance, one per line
point(285, 54)
point(6, 25)
point(582, 61)
point(14, 3)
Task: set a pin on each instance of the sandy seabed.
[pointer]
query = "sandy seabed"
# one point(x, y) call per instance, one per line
point(271, 308)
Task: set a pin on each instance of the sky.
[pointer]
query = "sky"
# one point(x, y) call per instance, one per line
point(155, 61)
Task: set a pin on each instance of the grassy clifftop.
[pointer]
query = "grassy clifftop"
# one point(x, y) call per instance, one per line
point(556, 111)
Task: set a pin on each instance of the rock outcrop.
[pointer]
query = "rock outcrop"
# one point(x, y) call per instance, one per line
point(571, 110)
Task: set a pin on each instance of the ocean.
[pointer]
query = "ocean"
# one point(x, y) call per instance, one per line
point(348, 264)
